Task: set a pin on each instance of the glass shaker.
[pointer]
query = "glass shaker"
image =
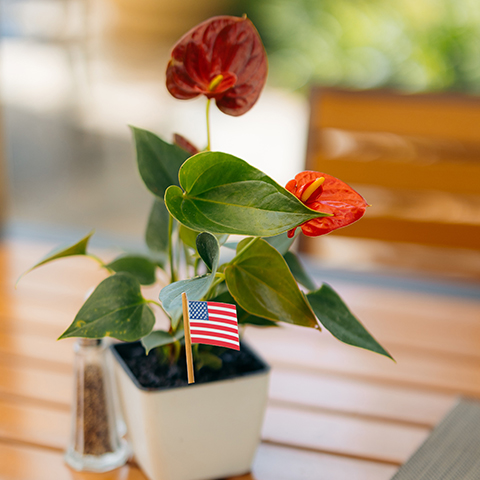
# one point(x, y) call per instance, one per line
point(95, 442)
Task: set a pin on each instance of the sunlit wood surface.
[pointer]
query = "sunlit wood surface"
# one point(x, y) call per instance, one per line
point(335, 412)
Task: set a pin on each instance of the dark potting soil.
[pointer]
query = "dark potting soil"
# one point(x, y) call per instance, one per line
point(152, 372)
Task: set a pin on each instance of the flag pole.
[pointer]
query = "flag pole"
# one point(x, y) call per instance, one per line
point(188, 341)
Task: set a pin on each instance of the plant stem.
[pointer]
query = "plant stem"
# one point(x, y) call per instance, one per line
point(170, 249)
point(195, 267)
point(175, 354)
point(99, 261)
point(208, 124)
point(220, 277)
point(188, 262)
point(154, 303)
point(178, 260)
point(159, 305)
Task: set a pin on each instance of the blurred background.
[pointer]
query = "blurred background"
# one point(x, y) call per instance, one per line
point(75, 73)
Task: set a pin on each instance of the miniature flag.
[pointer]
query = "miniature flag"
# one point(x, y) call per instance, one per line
point(213, 323)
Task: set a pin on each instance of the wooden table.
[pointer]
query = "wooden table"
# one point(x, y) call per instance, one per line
point(335, 412)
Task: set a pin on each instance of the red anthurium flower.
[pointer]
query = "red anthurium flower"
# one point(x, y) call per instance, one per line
point(327, 194)
point(222, 58)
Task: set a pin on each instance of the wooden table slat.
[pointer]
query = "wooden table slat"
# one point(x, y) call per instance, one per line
point(23, 462)
point(280, 463)
point(355, 397)
point(287, 387)
point(445, 372)
point(355, 437)
point(335, 412)
point(36, 384)
point(414, 368)
point(347, 436)
point(34, 424)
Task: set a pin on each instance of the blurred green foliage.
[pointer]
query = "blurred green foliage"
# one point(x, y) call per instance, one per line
point(414, 45)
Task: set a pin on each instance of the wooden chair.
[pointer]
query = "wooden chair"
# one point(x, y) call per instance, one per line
point(415, 158)
point(3, 180)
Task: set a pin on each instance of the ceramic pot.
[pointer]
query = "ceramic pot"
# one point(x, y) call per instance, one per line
point(194, 432)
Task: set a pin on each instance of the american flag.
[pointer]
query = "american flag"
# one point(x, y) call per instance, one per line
point(213, 323)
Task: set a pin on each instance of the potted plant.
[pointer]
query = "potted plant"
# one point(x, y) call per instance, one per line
point(201, 198)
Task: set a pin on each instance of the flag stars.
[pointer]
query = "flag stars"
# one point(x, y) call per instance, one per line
point(198, 310)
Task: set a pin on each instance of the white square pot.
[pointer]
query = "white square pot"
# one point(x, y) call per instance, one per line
point(195, 432)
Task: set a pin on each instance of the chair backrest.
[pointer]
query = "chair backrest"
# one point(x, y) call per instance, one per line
point(3, 180)
point(415, 158)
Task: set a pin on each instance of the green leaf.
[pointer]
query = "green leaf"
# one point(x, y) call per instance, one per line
point(171, 295)
point(195, 288)
point(157, 338)
point(188, 236)
point(156, 235)
point(261, 282)
point(158, 161)
point(140, 267)
point(209, 250)
point(335, 316)
point(222, 238)
point(247, 319)
point(224, 194)
point(207, 359)
point(115, 309)
point(281, 242)
point(160, 338)
point(301, 276)
point(79, 248)
point(243, 317)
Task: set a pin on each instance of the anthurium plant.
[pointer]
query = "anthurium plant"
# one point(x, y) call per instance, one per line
point(201, 198)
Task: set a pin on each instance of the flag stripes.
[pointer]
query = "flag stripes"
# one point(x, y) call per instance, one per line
point(218, 343)
point(220, 325)
point(214, 334)
point(214, 323)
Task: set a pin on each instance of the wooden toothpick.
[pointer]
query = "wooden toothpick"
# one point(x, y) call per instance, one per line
point(188, 341)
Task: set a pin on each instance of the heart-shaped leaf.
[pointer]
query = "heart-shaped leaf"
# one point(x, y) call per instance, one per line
point(79, 248)
point(156, 235)
point(299, 273)
point(160, 338)
point(158, 161)
point(335, 316)
point(224, 194)
point(115, 309)
point(261, 282)
point(140, 267)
